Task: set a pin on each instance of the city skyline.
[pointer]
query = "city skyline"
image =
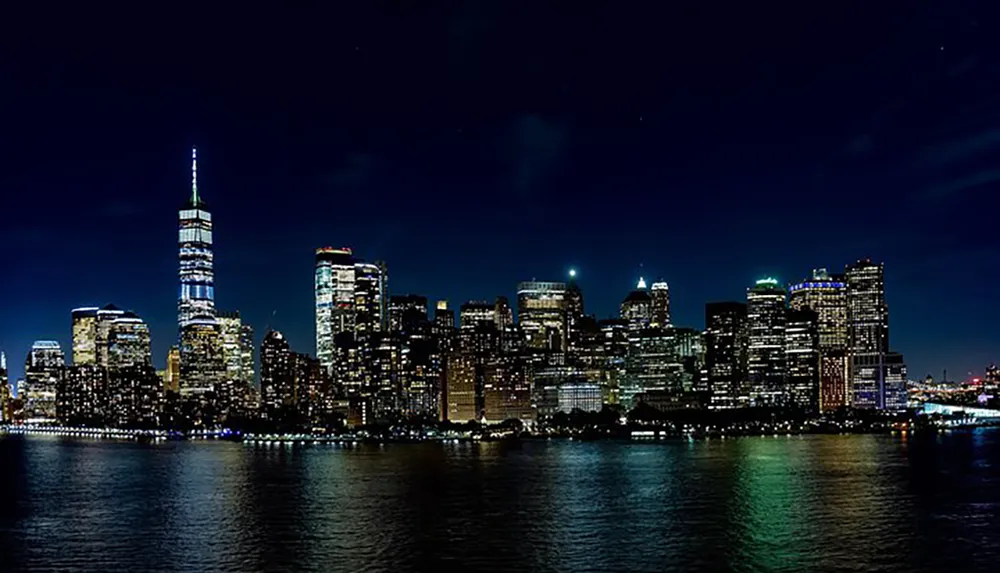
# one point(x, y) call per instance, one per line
point(478, 159)
point(190, 218)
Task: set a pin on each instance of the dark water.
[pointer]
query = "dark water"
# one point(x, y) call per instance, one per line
point(838, 503)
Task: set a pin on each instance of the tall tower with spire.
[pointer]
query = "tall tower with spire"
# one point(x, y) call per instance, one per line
point(196, 297)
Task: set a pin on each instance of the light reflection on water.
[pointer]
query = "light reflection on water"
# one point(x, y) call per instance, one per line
point(807, 503)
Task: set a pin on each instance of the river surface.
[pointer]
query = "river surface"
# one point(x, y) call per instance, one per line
point(808, 503)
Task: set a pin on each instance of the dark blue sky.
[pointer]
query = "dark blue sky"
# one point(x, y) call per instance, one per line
point(476, 144)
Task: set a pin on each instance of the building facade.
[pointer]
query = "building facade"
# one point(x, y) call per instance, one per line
point(196, 299)
point(826, 295)
point(766, 344)
point(85, 335)
point(277, 382)
point(44, 369)
point(726, 354)
point(659, 293)
point(542, 312)
point(637, 308)
point(877, 376)
point(802, 358)
point(334, 291)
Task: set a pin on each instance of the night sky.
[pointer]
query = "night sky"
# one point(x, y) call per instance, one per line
point(477, 144)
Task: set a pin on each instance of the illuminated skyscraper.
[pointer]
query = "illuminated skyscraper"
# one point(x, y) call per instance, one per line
point(4, 389)
point(334, 287)
point(277, 382)
point(43, 371)
point(83, 396)
point(574, 311)
point(802, 358)
point(475, 313)
point(370, 297)
point(766, 370)
point(202, 367)
point(541, 310)
point(462, 397)
point(196, 299)
point(237, 358)
point(651, 364)
point(868, 312)
point(308, 382)
point(637, 308)
point(478, 333)
point(85, 335)
point(128, 341)
point(389, 370)
point(134, 397)
point(506, 390)
point(444, 326)
point(614, 349)
point(422, 364)
point(407, 312)
point(106, 316)
point(826, 295)
point(878, 377)
point(726, 354)
point(247, 364)
point(659, 294)
point(351, 297)
point(172, 376)
point(509, 336)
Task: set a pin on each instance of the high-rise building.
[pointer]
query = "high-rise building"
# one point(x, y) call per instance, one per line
point(478, 333)
point(308, 384)
point(172, 375)
point(134, 396)
point(877, 376)
point(4, 389)
point(248, 365)
point(574, 310)
point(83, 396)
point(542, 311)
point(128, 341)
point(407, 312)
point(690, 349)
point(389, 368)
point(766, 317)
point(43, 371)
point(237, 359)
point(277, 380)
point(106, 317)
point(370, 297)
point(509, 336)
point(802, 358)
point(651, 365)
point(463, 400)
point(334, 299)
point(615, 345)
point(867, 311)
point(826, 295)
point(659, 293)
point(85, 335)
point(422, 379)
point(506, 390)
point(476, 313)
point(726, 354)
point(202, 368)
point(637, 308)
point(196, 299)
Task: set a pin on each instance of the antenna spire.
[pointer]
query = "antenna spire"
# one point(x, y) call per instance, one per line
point(194, 175)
